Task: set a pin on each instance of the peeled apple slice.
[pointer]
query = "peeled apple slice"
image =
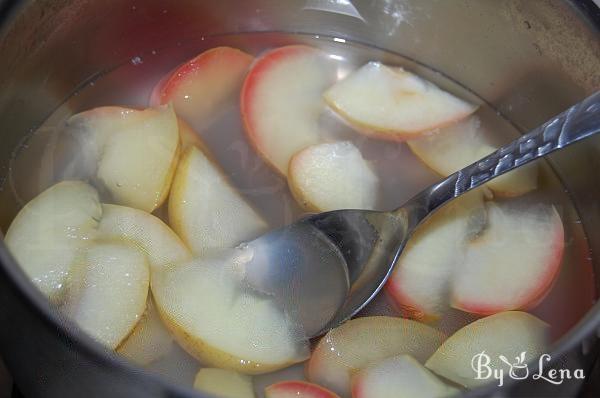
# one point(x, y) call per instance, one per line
point(50, 231)
point(516, 336)
point(513, 263)
point(131, 153)
point(206, 211)
point(200, 87)
point(224, 383)
point(146, 232)
point(364, 341)
point(281, 101)
point(149, 341)
point(112, 296)
point(214, 316)
point(297, 389)
point(460, 144)
point(333, 176)
point(399, 377)
point(392, 103)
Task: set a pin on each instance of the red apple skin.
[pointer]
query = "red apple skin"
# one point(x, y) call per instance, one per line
point(262, 66)
point(358, 388)
point(556, 248)
point(164, 89)
point(298, 389)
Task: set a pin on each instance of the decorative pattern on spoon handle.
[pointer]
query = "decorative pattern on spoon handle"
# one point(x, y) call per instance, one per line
point(576, 123)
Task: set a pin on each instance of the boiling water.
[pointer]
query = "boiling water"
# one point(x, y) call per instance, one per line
point(43, 156)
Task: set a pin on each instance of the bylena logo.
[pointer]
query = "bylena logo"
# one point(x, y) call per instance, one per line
point(518, 370)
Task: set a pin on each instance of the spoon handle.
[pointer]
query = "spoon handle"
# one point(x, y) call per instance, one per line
point(580, 121)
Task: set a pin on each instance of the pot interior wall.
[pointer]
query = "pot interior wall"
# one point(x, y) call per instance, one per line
point(529, 59)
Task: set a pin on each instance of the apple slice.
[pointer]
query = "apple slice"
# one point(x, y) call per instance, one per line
point(200, 87)
point(215, 317)
point(333, 176)
point(513, 262)
point(420, 283)
point(298, 389)
point(48, 233)
point(149, 341)
point(144, 231)
point(471, 256)
point(399, 377)
point(138, 162)
point(281, 101)
point(131, 153)
point(393, 104)
point(460, 144)
point(113, 291)
point(205, 210)
point(505, 335)
point(224, 383)
point(362, 342)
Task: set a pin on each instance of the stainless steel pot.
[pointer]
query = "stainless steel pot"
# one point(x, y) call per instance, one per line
point(528, 59)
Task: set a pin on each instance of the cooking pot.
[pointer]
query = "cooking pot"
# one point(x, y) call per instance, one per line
point(527, 59)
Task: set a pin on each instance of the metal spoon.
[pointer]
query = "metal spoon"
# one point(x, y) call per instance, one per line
point(326, 267)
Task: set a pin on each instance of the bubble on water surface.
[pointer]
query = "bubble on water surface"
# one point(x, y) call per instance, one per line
point(137, 60)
